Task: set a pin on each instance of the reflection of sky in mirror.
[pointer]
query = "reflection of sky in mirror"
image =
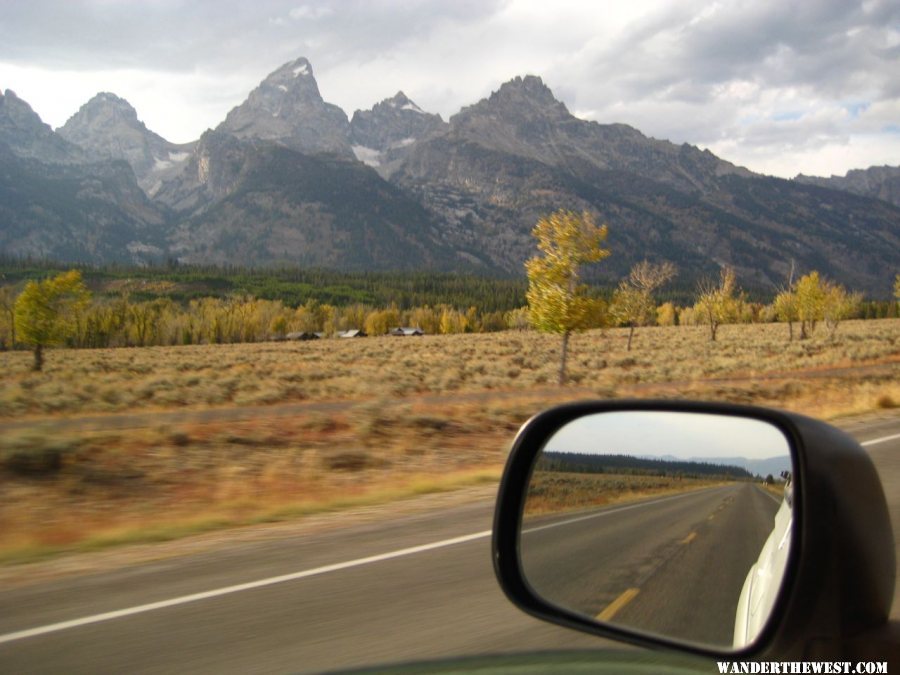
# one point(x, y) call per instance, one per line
point(682, 435)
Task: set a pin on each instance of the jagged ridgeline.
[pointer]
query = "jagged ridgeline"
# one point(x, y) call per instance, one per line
point(573, 462)
point(287, 179)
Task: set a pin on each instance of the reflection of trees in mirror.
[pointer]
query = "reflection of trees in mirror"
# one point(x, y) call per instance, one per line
point(569, 481)
point(591, 463)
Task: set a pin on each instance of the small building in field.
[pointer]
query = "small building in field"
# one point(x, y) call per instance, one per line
point(303, 335)
point(352, 333)
point(403, 331)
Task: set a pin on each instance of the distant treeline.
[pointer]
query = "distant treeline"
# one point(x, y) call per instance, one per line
point(574, 462)
point(293, 287)
point(41, 306)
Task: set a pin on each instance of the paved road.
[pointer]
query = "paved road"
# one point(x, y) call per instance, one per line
point(340, 607)
point(673, 565)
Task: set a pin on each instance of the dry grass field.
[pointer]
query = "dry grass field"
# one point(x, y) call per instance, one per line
point(552, 492)
point(111, 446)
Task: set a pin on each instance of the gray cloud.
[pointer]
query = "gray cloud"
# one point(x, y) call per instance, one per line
point(825, 45)
point(759, 79)
point(182, 35)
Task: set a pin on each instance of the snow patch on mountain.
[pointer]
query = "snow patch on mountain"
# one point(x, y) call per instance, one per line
point(412, 106)
point(368, 156)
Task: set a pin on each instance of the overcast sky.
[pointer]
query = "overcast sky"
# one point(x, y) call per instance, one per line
point(779, 86)
point(643, 433)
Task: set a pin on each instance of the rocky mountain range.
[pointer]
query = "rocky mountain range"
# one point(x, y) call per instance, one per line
point(107, 127)
point(289, 179)
point(880, 182)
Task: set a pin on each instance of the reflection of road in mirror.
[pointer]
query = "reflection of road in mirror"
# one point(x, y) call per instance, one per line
point(658, 520)
point(672, 565)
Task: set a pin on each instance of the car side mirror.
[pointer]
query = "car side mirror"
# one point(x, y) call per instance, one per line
point(716, 529)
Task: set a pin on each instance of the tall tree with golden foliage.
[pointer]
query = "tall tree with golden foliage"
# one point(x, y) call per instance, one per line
point(717, 303)
point(810, 303)
point(557, 302)
point(47, 311)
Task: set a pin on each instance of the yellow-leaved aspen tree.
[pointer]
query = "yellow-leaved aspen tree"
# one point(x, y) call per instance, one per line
point(47, 311)
point(810, 303)
point(717, 304)
point(557, 302)
point(632, 303)
point(838, 305)
point(7, 318)
point(897, 288)
point(785, 309)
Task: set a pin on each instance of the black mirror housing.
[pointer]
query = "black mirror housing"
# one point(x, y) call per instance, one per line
point(840, 576)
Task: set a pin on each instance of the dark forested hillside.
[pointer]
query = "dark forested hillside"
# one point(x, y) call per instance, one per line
point(291, 285)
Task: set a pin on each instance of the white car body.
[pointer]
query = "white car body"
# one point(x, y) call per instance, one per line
point(764, 578)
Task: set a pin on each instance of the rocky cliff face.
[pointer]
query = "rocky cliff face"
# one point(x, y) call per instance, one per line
point(518, 154)
point(283, 207)
point(27, 136)
point(107, 127)
point(524, 118)
point(287, 109)
point(209, 174)
point(59, 201)
point(286, 179)
point(878, 182)
point(255, 189)
point(90, 212)
point(382, 136)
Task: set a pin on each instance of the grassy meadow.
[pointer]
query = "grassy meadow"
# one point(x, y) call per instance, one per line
point(138, 444)
point(554, 492)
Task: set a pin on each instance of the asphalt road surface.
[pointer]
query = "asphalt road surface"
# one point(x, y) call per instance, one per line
point(673, 565)
point(416, 587)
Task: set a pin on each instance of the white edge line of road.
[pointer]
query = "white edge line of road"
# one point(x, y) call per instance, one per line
point(883, 439)
point(237, 588)
point(613, 511)
point(260, 583)
point(227, 590)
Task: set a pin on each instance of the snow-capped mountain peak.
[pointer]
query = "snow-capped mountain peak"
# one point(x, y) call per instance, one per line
point(288, 109)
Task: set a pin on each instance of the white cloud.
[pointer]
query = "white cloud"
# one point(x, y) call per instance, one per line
point(777, 85)
point(309, 12)
point(178, 107)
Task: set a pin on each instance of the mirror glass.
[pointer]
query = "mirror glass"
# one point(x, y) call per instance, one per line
point(676, 524)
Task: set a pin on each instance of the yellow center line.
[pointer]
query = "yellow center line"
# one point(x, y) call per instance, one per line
point(616, 605)
point(688, 539)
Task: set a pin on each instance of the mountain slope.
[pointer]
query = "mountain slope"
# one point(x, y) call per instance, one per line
point(383, 135)
point(878, 182)
point(288, 109)
point(107, 127)
point(287, 208)
point(519, 154)
point(80, 212)
point(27, 136)
point(279, 182)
